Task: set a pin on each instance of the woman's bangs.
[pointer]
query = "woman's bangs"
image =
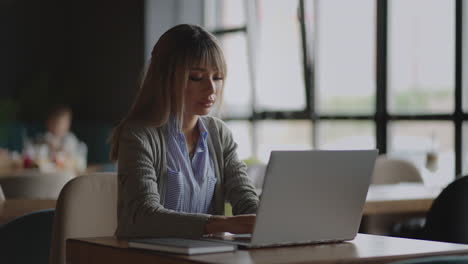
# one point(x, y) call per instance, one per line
point(209, 57)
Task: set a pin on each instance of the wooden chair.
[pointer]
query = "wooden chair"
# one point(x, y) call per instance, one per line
point(2, 195)
point(392, 170)
point(86, 207)
point(256, 172)
point(389, 170)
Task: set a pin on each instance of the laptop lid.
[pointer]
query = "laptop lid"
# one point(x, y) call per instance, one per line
point(313, 196)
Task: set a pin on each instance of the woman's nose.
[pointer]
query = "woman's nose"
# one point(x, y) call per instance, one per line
point(211, 86)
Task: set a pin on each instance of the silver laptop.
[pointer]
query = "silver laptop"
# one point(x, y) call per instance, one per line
point(312, 196)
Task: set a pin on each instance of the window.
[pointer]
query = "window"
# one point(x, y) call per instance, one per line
point(242, 133)
point(280, 81)
point(282, 135)
point(345, 56)
point(346, 135)
point(428, 144)
point(237, 89)
point(421, 56)
point(338, 74)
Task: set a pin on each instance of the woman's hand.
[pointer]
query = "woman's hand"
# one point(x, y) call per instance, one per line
point(239, 224)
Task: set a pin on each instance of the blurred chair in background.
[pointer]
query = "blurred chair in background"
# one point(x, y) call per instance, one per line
point(256, 173)
point(86, 207)
point(33, 184)
point(387, 171)
point(26, 239)
point(448, 217)
point(2, 195)
point(392, 171)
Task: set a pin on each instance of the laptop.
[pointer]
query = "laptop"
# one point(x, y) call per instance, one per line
point(314, 196)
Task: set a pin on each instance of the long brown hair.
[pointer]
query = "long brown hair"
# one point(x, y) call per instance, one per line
point(161, 93)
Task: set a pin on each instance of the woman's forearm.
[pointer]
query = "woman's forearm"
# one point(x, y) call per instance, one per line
point(216, 224)
point(240, 224)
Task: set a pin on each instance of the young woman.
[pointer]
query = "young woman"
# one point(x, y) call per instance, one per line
point(176, 165)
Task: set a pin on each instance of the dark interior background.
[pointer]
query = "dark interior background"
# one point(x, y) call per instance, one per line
point(86, 54)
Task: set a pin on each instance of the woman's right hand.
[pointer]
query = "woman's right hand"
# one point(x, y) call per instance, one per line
point(239, 224)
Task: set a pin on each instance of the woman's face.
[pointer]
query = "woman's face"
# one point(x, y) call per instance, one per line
point(203, 87)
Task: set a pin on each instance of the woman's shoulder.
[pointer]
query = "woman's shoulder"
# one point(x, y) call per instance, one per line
point(214, 122)
point(217, 128)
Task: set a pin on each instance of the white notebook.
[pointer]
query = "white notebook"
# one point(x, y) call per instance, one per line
point(181, 246)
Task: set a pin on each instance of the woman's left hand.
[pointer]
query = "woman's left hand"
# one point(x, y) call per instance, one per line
point(239, 224)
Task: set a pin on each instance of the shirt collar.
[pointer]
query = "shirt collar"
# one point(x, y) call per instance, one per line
point(175, 129)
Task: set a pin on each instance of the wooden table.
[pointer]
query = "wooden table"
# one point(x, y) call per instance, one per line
point(10, 209)
point(404, 198)
point(363, 249)
point(384, 199)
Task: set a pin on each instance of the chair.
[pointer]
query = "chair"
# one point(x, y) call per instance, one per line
point(86, 207)
point(26, 239)
point(392, 170)
point(389, 170)
point(448, 217)
point(2, 195)
point(256, 172)
point(32, 184)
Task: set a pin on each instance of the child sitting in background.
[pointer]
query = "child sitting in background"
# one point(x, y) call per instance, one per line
point(58, 136)
point(64, 148)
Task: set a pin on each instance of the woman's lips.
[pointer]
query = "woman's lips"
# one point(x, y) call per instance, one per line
point(207, 103)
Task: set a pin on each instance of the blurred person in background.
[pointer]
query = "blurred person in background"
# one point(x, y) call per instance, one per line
point(62, 146)
point(58, 136)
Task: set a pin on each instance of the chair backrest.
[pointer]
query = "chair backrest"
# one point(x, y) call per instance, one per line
point(448, 217)
point(34, 184)
point(256, 172)
point(392, 170)
point(86, 207)
point(2, 195)
point(26, 239)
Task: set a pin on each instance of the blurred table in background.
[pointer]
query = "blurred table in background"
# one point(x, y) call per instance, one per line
point(34, 184)
point(10, 209)
point(101, 167)
point(400, 198)
point(397, 209)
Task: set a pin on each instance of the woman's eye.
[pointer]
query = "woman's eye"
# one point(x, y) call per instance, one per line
point(218, 78)
point(195, 78)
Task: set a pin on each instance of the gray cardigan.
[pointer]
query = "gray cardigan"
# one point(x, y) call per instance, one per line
point(142, 177)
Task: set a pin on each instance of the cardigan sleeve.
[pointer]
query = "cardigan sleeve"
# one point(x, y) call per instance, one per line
point(140, 212)
point(238, 186)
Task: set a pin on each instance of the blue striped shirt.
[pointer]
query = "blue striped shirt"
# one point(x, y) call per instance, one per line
point(191, 183)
